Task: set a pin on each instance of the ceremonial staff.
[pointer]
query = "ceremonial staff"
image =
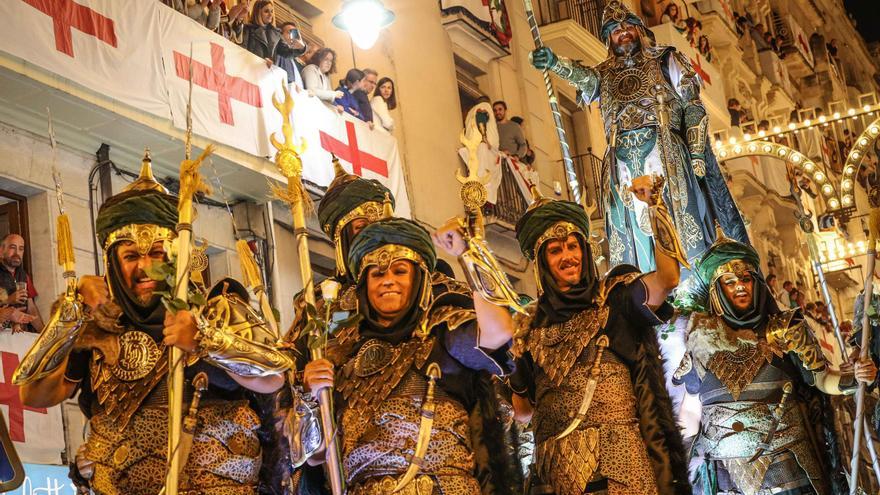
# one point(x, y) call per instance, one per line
point(570, 173)
point(190, 184)
point(874, 223)
point(289, 163)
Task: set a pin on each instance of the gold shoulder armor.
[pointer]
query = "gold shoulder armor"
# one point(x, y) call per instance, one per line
point(453, 316)
point(235, 338)
point(610, 282)
point(786, 331)
point(522, 323)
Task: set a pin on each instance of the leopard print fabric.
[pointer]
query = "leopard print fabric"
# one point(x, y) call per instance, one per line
point(224, 460)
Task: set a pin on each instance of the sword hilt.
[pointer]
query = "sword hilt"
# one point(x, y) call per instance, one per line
point(786, 391)
point(601, 344)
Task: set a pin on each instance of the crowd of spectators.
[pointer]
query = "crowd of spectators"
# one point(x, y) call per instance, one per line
point(763, 38)
point(360, 93)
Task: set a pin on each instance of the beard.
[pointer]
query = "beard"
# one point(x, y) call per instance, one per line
point(12, 261)
point(626, 48)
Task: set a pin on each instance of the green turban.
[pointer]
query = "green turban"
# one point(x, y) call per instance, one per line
point(135, 207)
point(724, 251)
point(344, 195)
point(388, 236)
point(536, 221)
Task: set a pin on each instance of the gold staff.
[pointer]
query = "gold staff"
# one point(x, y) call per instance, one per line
point(289, 163)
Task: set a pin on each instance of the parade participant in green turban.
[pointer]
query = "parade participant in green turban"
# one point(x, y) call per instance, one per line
point(405, 376)
point(589, 372)
point(119, 363)
point(655, 123)
point(753, 367)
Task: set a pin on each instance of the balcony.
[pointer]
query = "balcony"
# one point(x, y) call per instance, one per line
point(472, 32)
point(571, 28)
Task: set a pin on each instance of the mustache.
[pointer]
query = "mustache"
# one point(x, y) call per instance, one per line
point(565, 264)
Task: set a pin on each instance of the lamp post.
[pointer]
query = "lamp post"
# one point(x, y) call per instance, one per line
point(363, 19)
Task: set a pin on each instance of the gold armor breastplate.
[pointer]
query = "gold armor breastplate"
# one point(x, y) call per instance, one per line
point(627, 93)
point(608, 444)
point(382, 443)
point(121, 387)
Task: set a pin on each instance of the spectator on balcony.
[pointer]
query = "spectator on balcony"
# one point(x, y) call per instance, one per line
point(705, 48)
point(352, 82)
point(741, 24)
point(362, 95)
point(529, 157)
point(231, 24)
point(16, 288)
point(384, 100)
point(671, 14)
point(205, 12)
point(693, 30)
point(316, 76)
point(510, 134)
point(757, 33)
point(260, 34)
point(290, 46)
point(736, 111)
point(832, 48)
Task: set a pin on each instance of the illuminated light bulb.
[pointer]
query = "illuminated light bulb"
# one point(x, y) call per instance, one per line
point(781, 152)
point(847, 200)
point(808, 166)
point(848, 170)
point(761, 133)
point(851, 111)
point(836, 115)
point(795, 158)
point(822, 119)
point(777, 129)
point(732, 140)
point(866, 107)
point(753, 148)
point(767, 148)
point(718, 143)
point(833, 203)
point(363, 19)
point(873, 130)
point(855, 155)
point(827, 189)
point(808, 122)
point(747, 137)
point(847, 183)
point(849, 245)
point(737, 150)
point(861, 244)
point(722, 154)
point(819, 176)
point(792, 125)
point(863, 142)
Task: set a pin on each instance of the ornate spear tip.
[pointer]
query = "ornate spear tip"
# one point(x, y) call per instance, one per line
point(337, 167)
point(387, 208)
point(145, 180)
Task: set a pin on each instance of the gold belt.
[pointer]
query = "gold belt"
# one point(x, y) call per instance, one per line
point(421, 485)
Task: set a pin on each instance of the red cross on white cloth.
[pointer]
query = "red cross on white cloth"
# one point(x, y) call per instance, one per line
point(215, 78)
point(9, 397)
point(350, 152)
point(66, 14)
point(698, 68)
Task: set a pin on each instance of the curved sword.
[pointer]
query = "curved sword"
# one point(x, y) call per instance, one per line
point(777, 418)
point(425, 425)
point(589, 390)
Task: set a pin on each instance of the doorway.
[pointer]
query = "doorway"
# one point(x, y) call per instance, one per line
point(14, 220)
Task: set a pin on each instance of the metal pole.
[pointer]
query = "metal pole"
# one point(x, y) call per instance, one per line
point(863, 354)
point(823, 284)
point(570, 173)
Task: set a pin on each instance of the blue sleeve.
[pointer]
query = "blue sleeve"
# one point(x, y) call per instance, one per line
point(461, 344)
point(636, 301)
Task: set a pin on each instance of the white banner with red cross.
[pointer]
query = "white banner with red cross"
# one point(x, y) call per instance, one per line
point(143, 54)
point(37, 433)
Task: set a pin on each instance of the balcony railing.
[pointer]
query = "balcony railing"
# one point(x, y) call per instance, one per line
point(587, 13)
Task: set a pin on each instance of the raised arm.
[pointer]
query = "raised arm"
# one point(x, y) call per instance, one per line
point(586, 79)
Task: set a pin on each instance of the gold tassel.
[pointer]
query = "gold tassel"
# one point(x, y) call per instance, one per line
point(191, 181)
point(249, 268)
point(65, 243)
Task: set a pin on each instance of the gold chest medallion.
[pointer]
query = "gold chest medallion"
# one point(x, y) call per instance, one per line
point(138, 354)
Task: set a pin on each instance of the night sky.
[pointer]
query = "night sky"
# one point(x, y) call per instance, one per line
point(867, 16)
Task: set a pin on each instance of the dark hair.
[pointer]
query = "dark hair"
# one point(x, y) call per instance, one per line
point(351, 77)
point(732, 101)
point(787, 282)
point(319, 55)
point(517, 119)
point(288, 23)
point(771, 277)
point(500, 102)
point(255, 11)
point(700, 42)
point(392, 100)
point(677, 11)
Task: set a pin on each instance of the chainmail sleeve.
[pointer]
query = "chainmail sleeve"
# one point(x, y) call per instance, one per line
point(585, 79)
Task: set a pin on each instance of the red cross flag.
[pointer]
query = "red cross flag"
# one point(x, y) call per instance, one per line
point(232, 88)
point(107, 46)
point(37, 433)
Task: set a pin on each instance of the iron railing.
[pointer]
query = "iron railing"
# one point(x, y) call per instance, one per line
point(587, 13)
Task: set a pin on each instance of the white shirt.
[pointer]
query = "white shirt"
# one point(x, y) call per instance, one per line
point(381, 113)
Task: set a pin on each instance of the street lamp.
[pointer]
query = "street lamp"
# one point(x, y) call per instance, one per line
point(363, 19)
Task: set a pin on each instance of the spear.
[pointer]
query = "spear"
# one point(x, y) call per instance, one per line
point(289, 163)
point(567, 163)
point(190, 183)
point(863, 352)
